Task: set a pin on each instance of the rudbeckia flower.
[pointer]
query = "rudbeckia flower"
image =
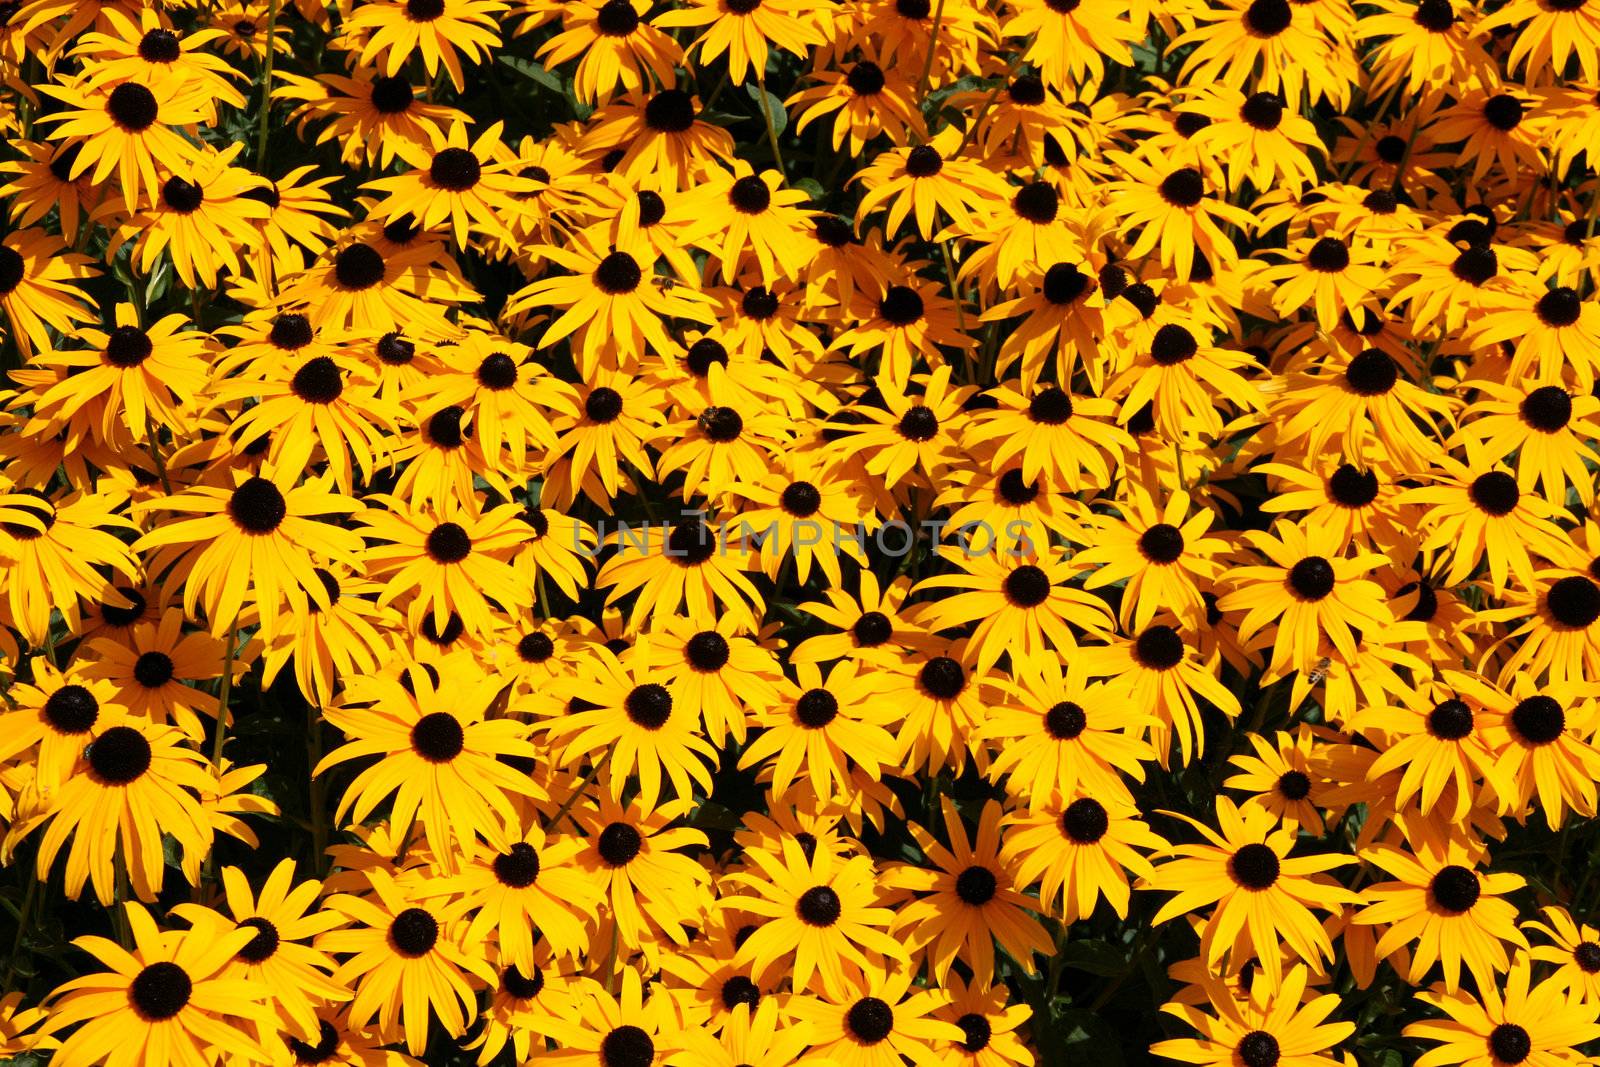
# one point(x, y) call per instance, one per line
point(169, 999)
point(442, 32)
point(1264, 897)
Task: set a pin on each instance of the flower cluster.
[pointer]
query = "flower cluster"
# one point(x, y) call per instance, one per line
point(734, 533)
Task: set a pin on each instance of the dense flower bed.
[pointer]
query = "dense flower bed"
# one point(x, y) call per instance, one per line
point(732, 533)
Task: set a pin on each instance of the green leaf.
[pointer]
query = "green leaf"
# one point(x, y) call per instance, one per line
point(1094, 957)
point(535, 72)
point(812, 188)
point(775, 109)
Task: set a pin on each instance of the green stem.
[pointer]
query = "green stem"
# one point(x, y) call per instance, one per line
point(772, 131)
point(578, 790)
point(224, 693)
point(266, 88)
point(318, 792)
point(927, 64)
point(23, 917)
point(155, 452)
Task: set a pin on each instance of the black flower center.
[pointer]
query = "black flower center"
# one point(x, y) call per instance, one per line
point(1051, 407)
point(869, 1020)
point(1371, 373)
point(1027, 586)
point(535, 648)
point(153, 669)
point(291, 332)
point(444, 427)
point(919, 423)
point(649, 705)
point(518, 868)
point(703, 354)
point(1267, 18)
point(358, 266)
point(1254, 866)
point(1037, 202)
point(1329, 255)
point(1503, 111)
point(1186, 187)
point(1455, 888)
point(182, 196)
point(618, 273)
point(395, 350)
point(1352, 488)
point(691, 543)
point(160, 991)
point(801, 499)
point(759, 303)
point(520, 986)
point(1014, 491)
point(1026, 91)
point(1539, 719)
point(865, 79)
point(670, 111)
point(721, 424)
point(1065, 720)
point(413, 933)
point(819, 906)
point(619, 843)
point(1264, 111)
point(943, 678)
point(318, 381)
point(739, 989)
point(1476, 265)
point(1435, 16)
point(603, 405)
point(976, 886)
point(1427, 605)
point(1574, 601)
point(616, 18)
point(1258, 1049)
point(323, 1051)
point(1559, 307)
point(1294, 785)
point(1547, 409)
point(391, 96)
point(127, 347)
point(872, 629)
point(750, 195)
point(816, 708)
point(424, 10)
point(975, 1029)
point(1380, 202)
point(123, 617)
point(133, 107)
point(160, 46)
point(1450, 720)
point(448, 543)
point(1495, 493)
point(265, 942)
point(1189, 123)
point(706, 651)
point(72, 709)
point(438, 737)
point(1160, 648)
point(1172, 345)
point(1085, 821)
point(258, 506)
point(1065, 283)
point(1510, 1043)
point(900, 306)
point(923, 161)
point(498, 371)
point(120, 755)
point(1312, 578)
point(1587, 956)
